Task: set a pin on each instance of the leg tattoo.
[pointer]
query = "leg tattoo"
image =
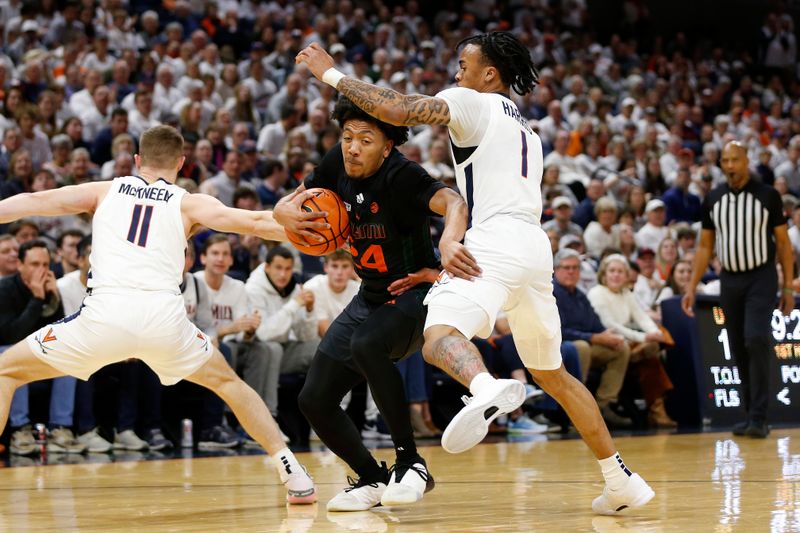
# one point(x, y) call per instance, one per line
point(458, 357)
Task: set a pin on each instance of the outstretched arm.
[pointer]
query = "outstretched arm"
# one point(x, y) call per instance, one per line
point(69, 200)
point(205, 210)
point(386, 105)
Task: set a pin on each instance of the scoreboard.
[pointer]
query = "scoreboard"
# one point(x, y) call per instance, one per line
point(722, 395)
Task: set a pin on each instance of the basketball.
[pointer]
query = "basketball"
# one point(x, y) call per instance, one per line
point(336, 235)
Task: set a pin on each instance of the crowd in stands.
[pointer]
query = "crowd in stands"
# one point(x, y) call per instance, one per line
point(631, 132)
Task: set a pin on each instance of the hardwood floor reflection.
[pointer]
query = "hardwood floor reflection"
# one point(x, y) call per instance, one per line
point(703, 482)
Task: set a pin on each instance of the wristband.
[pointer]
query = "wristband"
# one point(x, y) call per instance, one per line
point(787, 290)
point(332, 77)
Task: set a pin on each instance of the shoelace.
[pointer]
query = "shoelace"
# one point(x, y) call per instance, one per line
point(423, 473)
point(466, 399)
point(357, 484)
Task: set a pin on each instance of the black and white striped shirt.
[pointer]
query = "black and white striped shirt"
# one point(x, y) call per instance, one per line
point(744, 222)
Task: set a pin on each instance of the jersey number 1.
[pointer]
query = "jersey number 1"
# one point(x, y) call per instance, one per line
point(524, 155)
point(145, 224)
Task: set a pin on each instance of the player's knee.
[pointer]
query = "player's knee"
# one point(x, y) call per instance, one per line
point(362, 346)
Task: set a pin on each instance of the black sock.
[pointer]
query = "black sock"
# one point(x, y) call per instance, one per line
point(371, 473)
point(406, 451)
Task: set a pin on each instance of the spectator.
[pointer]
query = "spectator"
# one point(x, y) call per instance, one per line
point(213, 433)
point(96, 117)
point(677, 281)
point(561, 222)
point(12, 141)
point(20, 174)
point(654, 231)
point(603, 233)
point(67, 249)
point(681, 205)
point(581, 325)
point(144, 116)
point(272, 138)
point(666, 255)
point(61, 147)
point(24, 230)
point(235, 323)
point(569, 170)
point(103, 138)
point(585, 211)
point(80, 165)
point(34, 141)
point(271, 188)
point(225, 183)
point(287, 309)
point(790, 169)
point(31, 301)
point(9, 256)
point(619, 311)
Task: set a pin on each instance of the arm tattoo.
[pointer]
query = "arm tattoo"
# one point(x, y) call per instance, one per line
point(458, 357)
point(393, 107)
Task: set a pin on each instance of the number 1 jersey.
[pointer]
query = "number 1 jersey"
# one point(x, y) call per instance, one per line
point(498, 157)
point(138, 239)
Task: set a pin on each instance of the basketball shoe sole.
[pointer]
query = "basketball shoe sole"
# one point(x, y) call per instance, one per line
point(470, 426)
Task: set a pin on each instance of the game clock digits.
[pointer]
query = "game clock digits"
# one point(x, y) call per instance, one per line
point(723, 393)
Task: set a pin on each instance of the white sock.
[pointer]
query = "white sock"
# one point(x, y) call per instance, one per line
point(286, 463)
point(480, 381)
point(614, 471)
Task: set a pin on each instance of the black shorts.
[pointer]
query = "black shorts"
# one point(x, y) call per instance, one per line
point(399, 322)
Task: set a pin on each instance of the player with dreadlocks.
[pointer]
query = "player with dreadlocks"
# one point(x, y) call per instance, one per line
point(504, 262)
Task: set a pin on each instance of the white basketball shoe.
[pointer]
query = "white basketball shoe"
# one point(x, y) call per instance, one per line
point(409, 482)
point(635, 493)
point(360, 495)
point(471, 424)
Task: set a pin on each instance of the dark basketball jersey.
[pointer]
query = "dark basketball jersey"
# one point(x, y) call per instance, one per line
point(389, 218)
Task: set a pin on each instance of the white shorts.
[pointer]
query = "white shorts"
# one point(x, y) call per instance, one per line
point(115, 325)
point(517, 277)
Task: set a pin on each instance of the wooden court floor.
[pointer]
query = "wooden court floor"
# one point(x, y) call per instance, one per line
point(705, 482)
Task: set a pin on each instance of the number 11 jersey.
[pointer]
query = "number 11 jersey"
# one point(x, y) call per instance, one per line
point(138, 238)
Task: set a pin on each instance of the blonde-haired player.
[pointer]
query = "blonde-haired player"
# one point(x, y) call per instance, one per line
point(134, 308)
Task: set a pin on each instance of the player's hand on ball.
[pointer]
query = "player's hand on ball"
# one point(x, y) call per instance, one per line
point(457, 260)
point(317, 59)
point(289, 214)
point(424, 275)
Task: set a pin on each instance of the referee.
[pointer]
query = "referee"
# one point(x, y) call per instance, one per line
point(746, 219)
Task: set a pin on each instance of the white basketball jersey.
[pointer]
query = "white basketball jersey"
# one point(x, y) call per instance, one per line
point(138, 239)
point(497, 156)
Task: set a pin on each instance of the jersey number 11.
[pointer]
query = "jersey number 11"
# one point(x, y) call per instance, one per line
point(143, 228)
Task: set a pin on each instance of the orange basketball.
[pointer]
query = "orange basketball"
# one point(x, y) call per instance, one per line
point(336, 235)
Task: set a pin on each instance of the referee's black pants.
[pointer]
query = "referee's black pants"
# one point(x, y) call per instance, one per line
point(748, 300)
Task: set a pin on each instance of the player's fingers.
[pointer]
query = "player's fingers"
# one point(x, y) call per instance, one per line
point(301, 197)
point(458, 272)
point(472, 260)
point(311, 235)
point(311, 215)
point(469, 263)
point(310, 224)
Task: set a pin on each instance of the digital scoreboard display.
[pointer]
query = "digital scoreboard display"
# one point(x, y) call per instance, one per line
point(723, 389)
